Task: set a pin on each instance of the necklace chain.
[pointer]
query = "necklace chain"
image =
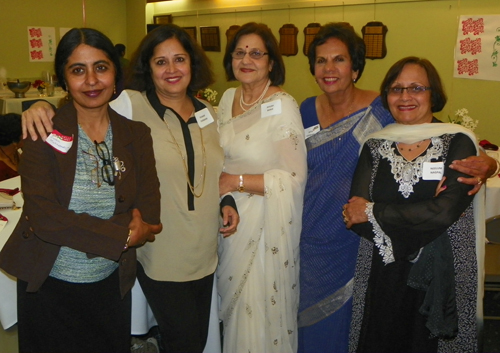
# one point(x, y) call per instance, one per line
point(242, 99)
point(186, 170)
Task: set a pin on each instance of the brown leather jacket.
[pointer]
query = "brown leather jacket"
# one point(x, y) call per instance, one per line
point(46, 224)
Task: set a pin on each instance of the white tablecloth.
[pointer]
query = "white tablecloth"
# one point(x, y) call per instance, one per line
point(492, 197)
point(10, 104)
point(142, 316)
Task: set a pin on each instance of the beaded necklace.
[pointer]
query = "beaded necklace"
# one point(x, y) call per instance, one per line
point(242, 100)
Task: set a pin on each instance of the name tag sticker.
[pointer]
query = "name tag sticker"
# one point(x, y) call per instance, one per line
point(203, 117)
point(311, 130)
point(270, 108)
point(59, 142)
point(433, 170)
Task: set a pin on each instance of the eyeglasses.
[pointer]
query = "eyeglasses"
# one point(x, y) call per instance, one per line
point(254, 54)
point(412, 90)
point(107, 171)
point(93, 167)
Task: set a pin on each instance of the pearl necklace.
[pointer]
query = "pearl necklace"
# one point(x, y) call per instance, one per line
point(204, 174)
point(242, 100)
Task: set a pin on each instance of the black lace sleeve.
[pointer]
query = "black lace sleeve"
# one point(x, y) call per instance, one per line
point(411, 226)
point(361, 187)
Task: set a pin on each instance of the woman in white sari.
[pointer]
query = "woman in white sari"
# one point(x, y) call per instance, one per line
point(265, 169)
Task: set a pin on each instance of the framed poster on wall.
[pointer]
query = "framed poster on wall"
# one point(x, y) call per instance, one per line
point(162, 19)
point(191, 31)
point(210, 38)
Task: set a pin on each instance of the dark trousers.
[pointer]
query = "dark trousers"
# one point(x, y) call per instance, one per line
point(74, 317)
point(182, 310)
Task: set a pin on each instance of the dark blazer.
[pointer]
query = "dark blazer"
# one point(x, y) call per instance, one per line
point(47, 178)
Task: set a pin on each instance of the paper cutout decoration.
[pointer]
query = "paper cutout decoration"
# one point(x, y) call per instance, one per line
point(210, 39)
point(41, 43)
point(288, 40)
point(231, 31)
point(374, 37)
point(309, 33)
point(477, 48)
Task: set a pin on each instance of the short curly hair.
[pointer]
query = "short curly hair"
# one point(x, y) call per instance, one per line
point(277, 74)
point(438, 95)
point(344, 32)
point(10, 129)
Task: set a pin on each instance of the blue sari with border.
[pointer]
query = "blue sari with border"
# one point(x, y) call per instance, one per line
point(327, 249)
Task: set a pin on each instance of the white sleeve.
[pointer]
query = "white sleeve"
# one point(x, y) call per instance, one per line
point(122, 105)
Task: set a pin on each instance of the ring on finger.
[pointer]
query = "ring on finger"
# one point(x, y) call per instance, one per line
point(479, 181)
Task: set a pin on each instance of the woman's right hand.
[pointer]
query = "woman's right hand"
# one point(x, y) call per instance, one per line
point(38, 118)
point(141, 232)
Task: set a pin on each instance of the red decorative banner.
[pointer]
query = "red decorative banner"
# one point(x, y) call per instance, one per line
point(42, 43)
point(477, 48)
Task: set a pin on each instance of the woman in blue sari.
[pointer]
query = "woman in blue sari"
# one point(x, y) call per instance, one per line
point(336, 122)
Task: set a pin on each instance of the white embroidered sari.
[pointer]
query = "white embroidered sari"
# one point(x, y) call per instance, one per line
point(259, 265)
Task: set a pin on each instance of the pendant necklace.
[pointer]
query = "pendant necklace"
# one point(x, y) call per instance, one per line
point(204, 158)
point(242, 100)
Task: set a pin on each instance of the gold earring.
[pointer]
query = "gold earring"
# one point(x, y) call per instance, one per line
point(114, 89)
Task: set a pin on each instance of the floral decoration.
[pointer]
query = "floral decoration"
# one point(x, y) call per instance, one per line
point(462, 118)
point(208, 94)
point(39, 84)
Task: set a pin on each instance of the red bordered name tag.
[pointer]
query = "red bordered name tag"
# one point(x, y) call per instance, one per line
point(59, 141)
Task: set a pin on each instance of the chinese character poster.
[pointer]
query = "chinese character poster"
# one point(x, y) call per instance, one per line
point(42, 43)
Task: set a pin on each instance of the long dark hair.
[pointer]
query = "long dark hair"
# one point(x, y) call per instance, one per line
point(139, 72)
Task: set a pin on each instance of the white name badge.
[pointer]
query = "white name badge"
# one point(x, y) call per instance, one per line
point(203, 117)
point(270, 108)
point(433, 170)
point(59, 141)
point(311, 130)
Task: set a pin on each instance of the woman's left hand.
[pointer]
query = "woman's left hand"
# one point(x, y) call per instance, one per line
point(226, 183)
point(230, 220)
point(354, 211)
point(479, 168)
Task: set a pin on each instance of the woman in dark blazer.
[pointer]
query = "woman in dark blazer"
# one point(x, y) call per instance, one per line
point(87, 205)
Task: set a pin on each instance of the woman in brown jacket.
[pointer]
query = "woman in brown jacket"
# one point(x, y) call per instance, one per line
point(86, 208)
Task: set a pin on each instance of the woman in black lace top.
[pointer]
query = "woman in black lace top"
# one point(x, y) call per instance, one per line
point(416, 282)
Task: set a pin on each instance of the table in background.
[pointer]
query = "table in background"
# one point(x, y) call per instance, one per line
point(10, 104)
point(142, 316)
point(492, 197)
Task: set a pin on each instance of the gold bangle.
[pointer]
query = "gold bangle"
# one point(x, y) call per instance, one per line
point(128, 240)
point(497, 170)
point(241, 186)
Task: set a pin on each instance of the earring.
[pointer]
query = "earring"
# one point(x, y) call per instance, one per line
point(114, 89)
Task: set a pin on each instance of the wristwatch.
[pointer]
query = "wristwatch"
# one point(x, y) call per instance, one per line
point(241, 186)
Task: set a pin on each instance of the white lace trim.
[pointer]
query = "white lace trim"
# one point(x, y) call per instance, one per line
point(381, 240)
point(408, 173)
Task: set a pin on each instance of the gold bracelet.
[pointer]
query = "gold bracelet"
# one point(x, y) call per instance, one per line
point(128, 240)
point(497, 171)
point(241, 186)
